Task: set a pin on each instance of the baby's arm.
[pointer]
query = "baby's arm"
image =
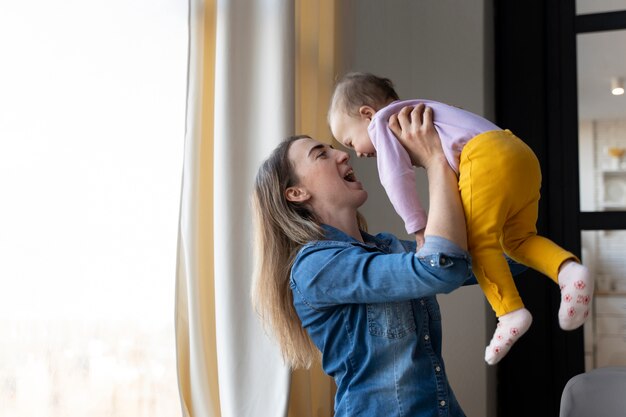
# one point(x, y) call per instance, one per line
point(415, 129)
point(397, 176)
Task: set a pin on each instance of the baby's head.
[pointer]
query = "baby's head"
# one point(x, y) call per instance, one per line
point(357, 97)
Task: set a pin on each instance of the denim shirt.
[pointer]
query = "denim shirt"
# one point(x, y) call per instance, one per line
point(371, 310)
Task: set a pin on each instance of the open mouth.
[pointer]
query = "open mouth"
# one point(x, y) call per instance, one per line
point(350, 177)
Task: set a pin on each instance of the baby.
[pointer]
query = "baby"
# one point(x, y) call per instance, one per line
point(499, 181)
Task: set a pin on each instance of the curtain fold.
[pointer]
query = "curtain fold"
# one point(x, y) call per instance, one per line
point(258, 72)
point(253, 113)
point(316, 66)
point(195, 295)
point(312, 391)
point(240, 105)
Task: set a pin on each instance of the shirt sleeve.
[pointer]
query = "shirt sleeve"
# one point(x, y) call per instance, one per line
point(328, 275)
point(397, 176)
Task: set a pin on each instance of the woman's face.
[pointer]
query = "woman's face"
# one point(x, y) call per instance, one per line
point(326, 181)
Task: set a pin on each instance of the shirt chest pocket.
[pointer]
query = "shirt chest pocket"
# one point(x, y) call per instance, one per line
point(391, 320)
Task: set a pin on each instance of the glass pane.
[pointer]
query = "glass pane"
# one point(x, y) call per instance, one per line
point(605, 332)
point(602, 120)
point(92, 110)
point(599, 6)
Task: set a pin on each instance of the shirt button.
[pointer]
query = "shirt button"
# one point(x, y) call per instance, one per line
point(442, 260)
point(432, 262)
point(437, 368)
point(442, 403)
point(426, 337)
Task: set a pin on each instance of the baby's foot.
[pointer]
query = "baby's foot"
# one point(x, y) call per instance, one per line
point(576, 291)
point(511, 327)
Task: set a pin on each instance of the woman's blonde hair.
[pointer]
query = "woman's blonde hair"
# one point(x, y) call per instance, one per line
point(281, 228)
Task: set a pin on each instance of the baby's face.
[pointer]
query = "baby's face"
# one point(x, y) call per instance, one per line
point(351, 132)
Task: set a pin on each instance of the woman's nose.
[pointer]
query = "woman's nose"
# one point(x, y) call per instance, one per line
point(342, 156)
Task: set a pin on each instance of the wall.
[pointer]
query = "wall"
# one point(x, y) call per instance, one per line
point(442, 51)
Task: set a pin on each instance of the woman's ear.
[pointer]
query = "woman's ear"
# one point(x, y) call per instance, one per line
point(367, 112)
point(296, 194)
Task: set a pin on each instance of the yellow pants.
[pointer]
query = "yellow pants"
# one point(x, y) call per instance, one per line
point(500, 181)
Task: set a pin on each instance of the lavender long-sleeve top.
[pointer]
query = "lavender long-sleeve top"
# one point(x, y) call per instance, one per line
point(455, 127)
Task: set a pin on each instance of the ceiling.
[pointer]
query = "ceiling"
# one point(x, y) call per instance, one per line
point(600, 57)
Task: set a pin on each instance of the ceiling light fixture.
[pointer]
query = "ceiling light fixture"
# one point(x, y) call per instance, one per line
point(617, 86)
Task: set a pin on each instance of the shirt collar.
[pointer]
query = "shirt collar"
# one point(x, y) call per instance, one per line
point(332, 233)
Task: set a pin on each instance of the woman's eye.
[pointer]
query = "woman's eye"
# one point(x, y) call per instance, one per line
point(321, 154)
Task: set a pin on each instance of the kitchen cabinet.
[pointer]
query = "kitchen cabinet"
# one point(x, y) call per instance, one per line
point(612, 189)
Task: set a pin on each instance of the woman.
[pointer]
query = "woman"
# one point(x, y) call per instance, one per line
point(367, 303)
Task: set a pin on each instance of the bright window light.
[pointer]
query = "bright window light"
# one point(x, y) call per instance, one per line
point(92, 114)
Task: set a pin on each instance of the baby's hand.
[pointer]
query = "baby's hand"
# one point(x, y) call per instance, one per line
point(419, 239)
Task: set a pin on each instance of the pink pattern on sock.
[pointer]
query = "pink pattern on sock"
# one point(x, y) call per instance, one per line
point(510, 328)
point(576, 288)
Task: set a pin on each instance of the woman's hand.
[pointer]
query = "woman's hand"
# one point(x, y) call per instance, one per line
point(419, 240)
point(414, 128)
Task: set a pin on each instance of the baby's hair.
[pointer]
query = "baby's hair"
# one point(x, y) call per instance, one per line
point(356, 89)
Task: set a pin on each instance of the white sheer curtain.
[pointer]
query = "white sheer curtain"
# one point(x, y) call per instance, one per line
point(253, 112)
point(240, 105)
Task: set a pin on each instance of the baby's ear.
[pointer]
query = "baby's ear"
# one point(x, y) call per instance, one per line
point(367, 112)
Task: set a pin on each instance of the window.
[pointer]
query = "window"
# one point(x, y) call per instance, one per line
point(92, 115)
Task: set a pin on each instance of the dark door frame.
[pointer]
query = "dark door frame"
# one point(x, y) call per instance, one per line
point(536, 97)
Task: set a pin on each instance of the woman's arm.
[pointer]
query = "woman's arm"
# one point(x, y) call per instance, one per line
point(335, 273)
point(415, 130)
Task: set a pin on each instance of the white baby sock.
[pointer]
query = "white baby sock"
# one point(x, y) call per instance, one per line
point(576, 291)
point(511, 327)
